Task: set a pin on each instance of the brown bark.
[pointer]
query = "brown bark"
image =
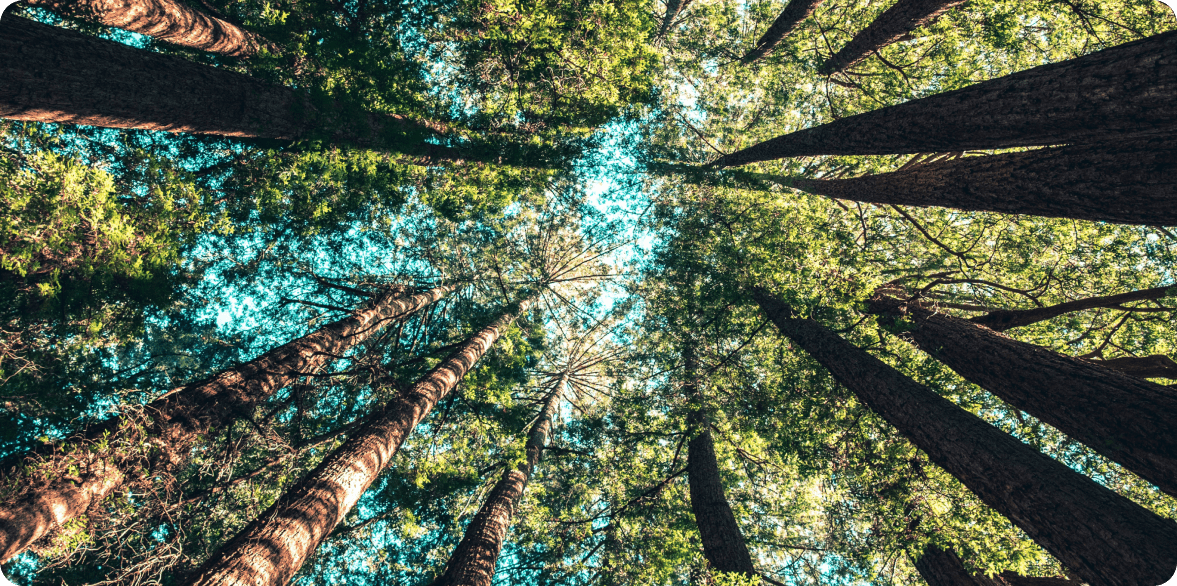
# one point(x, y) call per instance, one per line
point(167, 20)
point(473, 561)
point(1118, 92)
point(1103, 537)
point(999, 321)
point(943, 568)
point(271, 549)
point(178, 420)
point(900, 19)
point(673, 9)
point(50, 74)
point(723, 543)
point(1130, 182)
point(795, 12)
point(1123, 418)
point(1154, 366)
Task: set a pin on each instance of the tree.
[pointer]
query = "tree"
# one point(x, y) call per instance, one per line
point(167, 20)
point(899, 20)
point(1126, 182)
point(1117, 415)
point(272, 548)
point(1103, 537)
point(473, 561)
point(43, 496)
point(1049, 104)
point(1004, 319)
point(723, 543)
point(939, 567)
point(68, 77)
point(795, 12)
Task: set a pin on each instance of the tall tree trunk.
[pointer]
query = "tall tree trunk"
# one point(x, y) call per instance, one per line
point(795, 12)
point(271, 549)
point(943, 568)
point(1103, 537)
point(473, 561)
point(51, 74)
point(167, 20)
point(900, 19)
point(1118, 92)
point(175, 423)
point(723, 543)
point(673, 9)
point(1131, 182)
point(1000, 321)
point(1123, 418)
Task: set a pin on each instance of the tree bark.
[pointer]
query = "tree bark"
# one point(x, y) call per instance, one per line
point(900, 19)
point(1154, 366)
point(167, 20)
point(795, 12)
point(1000, 321)
point(1123, 418)
point(50, 74)
point(177, 422)
point(723, 543)
point(1128, 183)
point(1103, 537)
point(943, 568)
point(473, 561)
point(271, 549)
point(673, 9)
point(1119, 92)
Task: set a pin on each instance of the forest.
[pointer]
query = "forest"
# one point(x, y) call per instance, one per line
point(588, 292)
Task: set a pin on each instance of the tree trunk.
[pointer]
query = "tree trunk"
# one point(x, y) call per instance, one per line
point(177, 422)
point(271, 549)
point(795, 12)
point(167, 20)
point(1132, 182)
point(1125, 419)
point(943, 568)
point(50, 74)
point(723, 543)
point(673, 9)
point(1154, 366)
point(900, 19)
point(1103, 537)
point(1119, 92)
point(473, 561)
point(999, 321)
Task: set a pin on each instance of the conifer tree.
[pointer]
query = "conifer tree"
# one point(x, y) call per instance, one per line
point(1118, 416)
point(167, 20)
point(795, 12)
point(899, 20)
point(104, 457)
point(1107, 95)
point(1101, 536)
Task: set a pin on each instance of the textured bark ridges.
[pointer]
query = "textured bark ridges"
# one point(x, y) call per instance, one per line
point(940, 567)
point(271, 549)
point(1103, 537)
point(1002, 320)
point(1129, 182)
point(178, 420)
point(794, 13)
point(900, 19)
point(166, 20)
point(1123, 418)
point(1118, 92)
point(473, 561)
point(723, 542)
point(50, 74)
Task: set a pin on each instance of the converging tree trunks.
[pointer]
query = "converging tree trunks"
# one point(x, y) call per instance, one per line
point(1121, 417)
point(1108, 95)
point(1103, 537)
point(106, 454)
point(271, 549)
